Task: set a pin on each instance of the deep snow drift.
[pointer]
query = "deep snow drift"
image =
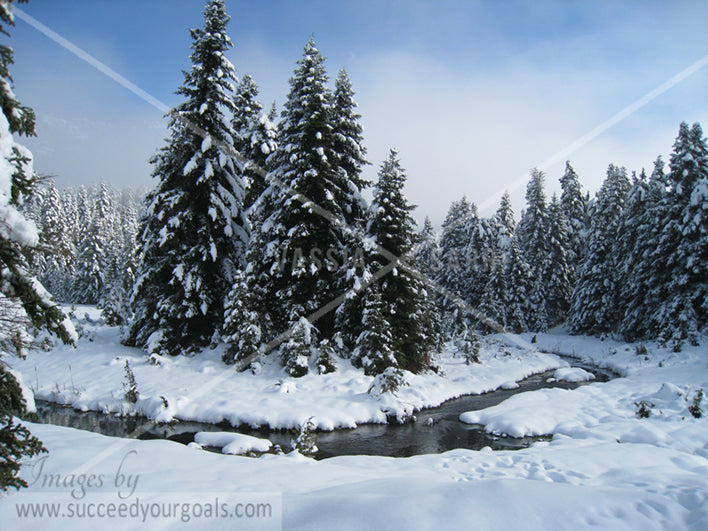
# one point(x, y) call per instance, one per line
point(605, 466)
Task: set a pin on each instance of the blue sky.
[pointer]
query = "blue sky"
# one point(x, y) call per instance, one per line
point(472, 94)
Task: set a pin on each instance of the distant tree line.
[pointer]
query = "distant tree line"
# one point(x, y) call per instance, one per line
point(633, 261)
point(89, 251)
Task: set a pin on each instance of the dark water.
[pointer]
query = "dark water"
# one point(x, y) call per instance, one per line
point(435, 430)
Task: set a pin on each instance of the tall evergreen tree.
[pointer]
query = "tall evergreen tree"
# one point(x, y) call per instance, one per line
point(534, 241)
point(406, 303)
point(479, 255)
point(427, 252)
point(91, 275)
point(493, 302)
point(453, 246)
point(374, 345)
point(20, 292)
point(296, 236)
point(242, 324)
point(254, 137)
point(503, 222)
point(639, 231)
point(557, 272)
point(594, 303)
point(681, 289)
point(574, 206)
point(349, 145)
point(519, 288)
point(194, 233)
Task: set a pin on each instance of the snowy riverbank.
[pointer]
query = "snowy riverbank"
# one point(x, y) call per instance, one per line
point(202, 388)
point(604, 467)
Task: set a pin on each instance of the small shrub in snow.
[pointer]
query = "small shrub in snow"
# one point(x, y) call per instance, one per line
point(389, 381)
point(295, 353)
point(130, 386)
point(305, 439)
point(325, 360)
point(468, 344)
point(156, 359)
point(641, 350)
point(643, 409)
point(695, 407)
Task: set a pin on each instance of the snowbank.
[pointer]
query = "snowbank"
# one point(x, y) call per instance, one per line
point(605, 467)
point(573, 375)
point(564, 484)
point(232, 443)
point(201, 388)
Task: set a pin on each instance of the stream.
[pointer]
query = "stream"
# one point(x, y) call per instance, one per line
point(435, 430)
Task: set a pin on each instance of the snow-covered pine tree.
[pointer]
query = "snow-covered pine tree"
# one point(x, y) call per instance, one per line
point(351, 152)
point(406, 303)
point(534, 241)
point(23, 300)
point(247, 299)
point(638, 235)
point(115, 303)
point(636, 268)
point(575, 212)
point(194, 233)
point(246, 108)
point(493, 304)
point(557, 272)
point(680, 290)
point(594, 302)
point(254, 137)
point(504, 224)
point(294, 234)
point(374, 346)
point(519, 283)
point(427, 251)
point(300, 347)
point(479, 255)
point(454, 265)
point(495, 297)
point(91, 275)
point(242, 325)
point(56, 232)
point(263, 135)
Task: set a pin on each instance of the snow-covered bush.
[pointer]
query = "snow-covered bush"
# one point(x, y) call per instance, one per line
point(325, 360)
point(389, 381)
point(468, 344)
point(295, 352)
point(130, 386)
point(644, 409)
point(305, 438)
point(695, 407)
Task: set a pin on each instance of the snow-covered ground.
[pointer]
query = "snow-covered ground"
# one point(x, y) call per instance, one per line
point(202, 388)
point(604, 468)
